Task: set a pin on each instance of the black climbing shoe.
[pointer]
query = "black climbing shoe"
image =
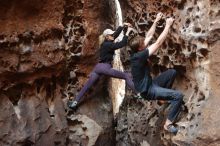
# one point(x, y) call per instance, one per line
point(72, 104)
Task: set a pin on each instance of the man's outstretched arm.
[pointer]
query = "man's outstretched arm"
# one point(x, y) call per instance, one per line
point(151, 31)
point(153, 48)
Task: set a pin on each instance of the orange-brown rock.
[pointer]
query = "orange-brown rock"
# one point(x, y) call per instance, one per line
point(47, 49)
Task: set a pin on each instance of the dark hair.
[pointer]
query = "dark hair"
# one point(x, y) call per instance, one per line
point(135, 43)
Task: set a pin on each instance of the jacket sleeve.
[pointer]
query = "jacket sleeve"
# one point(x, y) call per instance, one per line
point(120, 44)
point(117, 32)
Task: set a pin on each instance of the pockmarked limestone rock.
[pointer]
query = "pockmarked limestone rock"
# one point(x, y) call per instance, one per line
point(47, 49)
point(86, 128)
point(191, 48)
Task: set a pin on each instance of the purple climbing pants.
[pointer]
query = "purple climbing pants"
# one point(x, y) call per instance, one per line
point(105, 69)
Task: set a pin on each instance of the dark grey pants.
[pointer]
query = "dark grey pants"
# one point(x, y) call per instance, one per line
point(160, 90)
point(105, 69)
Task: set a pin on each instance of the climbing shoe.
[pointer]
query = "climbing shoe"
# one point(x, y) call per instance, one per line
point(170, 128)
point(72, 104)
point(138, 96)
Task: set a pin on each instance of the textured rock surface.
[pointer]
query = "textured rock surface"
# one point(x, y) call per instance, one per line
point(47, 49)
point(190, 48)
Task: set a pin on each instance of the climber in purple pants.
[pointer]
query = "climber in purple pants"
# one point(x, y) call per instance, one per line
point(104, 67)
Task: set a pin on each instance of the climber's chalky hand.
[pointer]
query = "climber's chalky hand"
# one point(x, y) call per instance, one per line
point(128, 31)
point(159, 16)
point(169, 21)
point(127, 24)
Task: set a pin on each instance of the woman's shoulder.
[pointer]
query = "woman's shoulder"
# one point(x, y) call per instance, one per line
point(106, 44)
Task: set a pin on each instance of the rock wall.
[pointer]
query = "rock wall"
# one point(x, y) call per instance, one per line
point(191, 48)
point(117, 86)
point(47, 49)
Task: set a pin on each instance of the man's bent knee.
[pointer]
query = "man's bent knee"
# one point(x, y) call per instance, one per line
point(173, 71)
point(180, 96)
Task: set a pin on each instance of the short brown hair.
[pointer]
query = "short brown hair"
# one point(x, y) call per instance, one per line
point(135, 43)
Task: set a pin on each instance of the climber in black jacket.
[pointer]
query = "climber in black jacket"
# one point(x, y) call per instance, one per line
point(104, 67)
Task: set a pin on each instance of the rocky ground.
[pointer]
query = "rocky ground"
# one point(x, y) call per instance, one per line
point(48, 48)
